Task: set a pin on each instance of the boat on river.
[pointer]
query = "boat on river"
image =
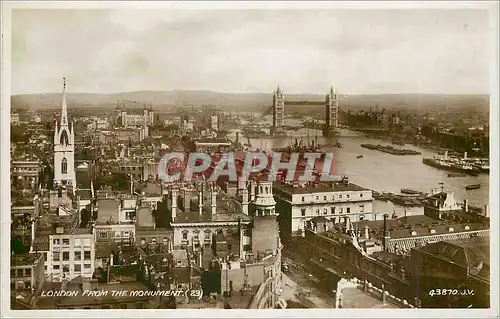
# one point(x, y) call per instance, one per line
point(359, 156)
point(472, 186)
point(409, 191)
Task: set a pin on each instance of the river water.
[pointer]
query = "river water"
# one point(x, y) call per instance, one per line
point(381, 171)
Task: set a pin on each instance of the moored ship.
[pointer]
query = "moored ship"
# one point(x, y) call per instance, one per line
point(451, 165)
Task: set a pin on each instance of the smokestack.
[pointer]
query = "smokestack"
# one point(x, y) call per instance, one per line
point(465, 155)
point(213, 201)
point(252, 190)
point(486, 211)
point(111, 259)
point(200, 203)
point(187, 200)
point(244, 201)
point(386, 233)
point(445, 154)
point(367, 232)
point(174, 203)
point(466, 205)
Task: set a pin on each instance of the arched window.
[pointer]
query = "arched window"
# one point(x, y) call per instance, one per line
point(64, 166)
point(64, 138)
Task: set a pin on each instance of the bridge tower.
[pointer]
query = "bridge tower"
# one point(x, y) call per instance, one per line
point(278, 113)
point(332, 113)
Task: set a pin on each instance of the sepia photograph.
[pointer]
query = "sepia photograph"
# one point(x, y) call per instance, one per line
point(312, 158)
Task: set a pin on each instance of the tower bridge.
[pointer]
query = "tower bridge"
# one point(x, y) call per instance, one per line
point(333, 113)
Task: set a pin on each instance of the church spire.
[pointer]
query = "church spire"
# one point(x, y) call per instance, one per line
point(64, 110)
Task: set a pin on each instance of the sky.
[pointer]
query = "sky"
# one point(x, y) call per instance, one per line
point(304, 51)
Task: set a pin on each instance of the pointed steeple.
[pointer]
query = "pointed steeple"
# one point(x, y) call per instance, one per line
point(64, 110)
point(56, 134)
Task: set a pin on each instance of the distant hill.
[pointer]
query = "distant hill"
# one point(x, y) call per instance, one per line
point(250, 101)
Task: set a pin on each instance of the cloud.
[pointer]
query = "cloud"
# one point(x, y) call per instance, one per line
point(359, 51)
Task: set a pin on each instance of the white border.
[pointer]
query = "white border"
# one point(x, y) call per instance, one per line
point(7, 6)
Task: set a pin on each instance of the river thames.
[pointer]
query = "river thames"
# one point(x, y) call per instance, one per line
point(381, 171)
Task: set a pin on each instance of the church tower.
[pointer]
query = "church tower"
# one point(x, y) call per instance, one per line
point(265, 233)
point(64, 147)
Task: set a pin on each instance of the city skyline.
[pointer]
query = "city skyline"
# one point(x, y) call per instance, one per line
point(439, 51)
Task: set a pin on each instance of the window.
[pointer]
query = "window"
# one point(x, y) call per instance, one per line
point(86, 266)
point(317, 197)
point(86, 255)
point(77, 242)
point(361, 195)
point(64, 163)
point(65, 268)
point(317, 211)
point(56, 256)
point(348, 210)
point(324, 198)
point(78, 267)
point(65, 241)
point(103, 235)
point(78, 255)
point(303, 212)
point(185, 235)
point(362, 208)
point(341, 210)
point(196, 236)
point(56, 267)
point(332, 210)
point(340, 196)
point(348, 196)
point(303, 199)
point(208, 234)
point(56, 241)
point(325, 211)
point(65, 255)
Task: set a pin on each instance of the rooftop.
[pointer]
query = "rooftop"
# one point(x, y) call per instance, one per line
point(421, 224)
point(318, 187)
point(472, 253)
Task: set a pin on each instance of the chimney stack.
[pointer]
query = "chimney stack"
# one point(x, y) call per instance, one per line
point(465, 155)
point(347, 224)
point(187, 200)
point(486, 211)
point(386, 233)
point(200, 203)
point(174, 203)
point(445, 154)
point(244, 201)
point(213, 201)
point(367, 232)
point(466, 205)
